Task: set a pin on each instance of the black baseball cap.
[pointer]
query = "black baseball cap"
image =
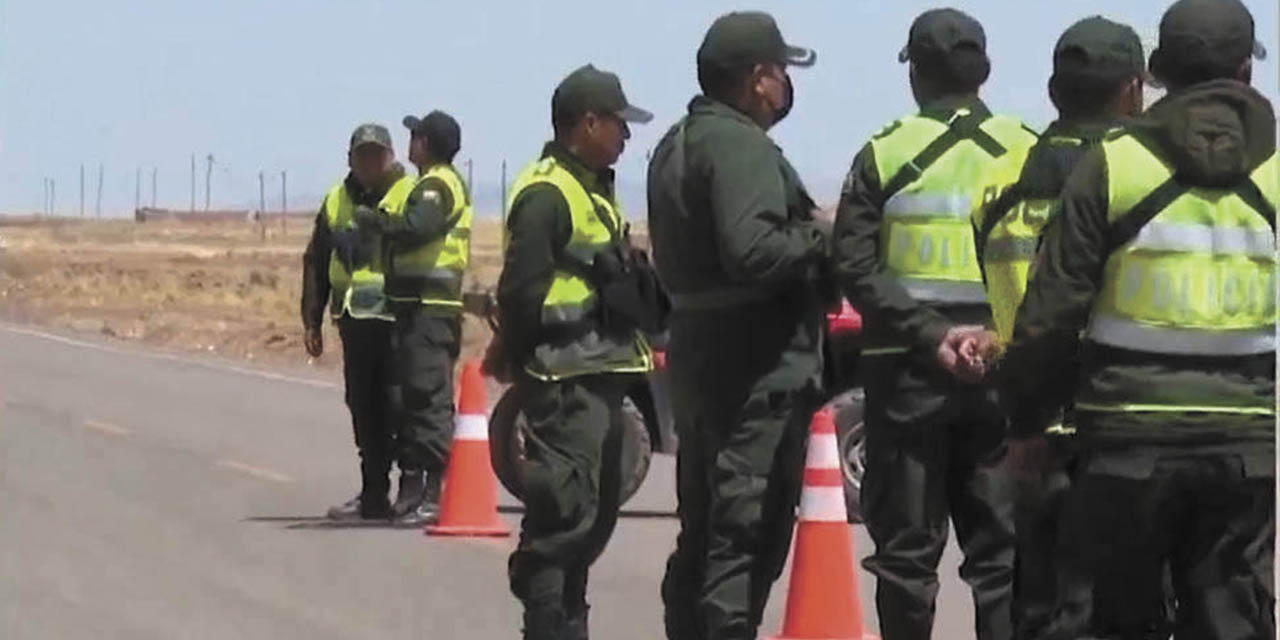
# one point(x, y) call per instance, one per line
point(1205, 39)
point(370, 133)
point(444, 136)
point(590, 89)
point(1098, 50)
point(744, 38)
point(937, 33)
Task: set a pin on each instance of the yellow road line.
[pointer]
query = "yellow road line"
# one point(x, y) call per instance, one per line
point(257, 472)
point(104, 427)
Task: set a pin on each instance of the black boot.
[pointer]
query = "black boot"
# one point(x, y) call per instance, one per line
point(349, 510)
point(362, 507)
point(413, 484)
point(577, 624)
point(546, 623)
point(427, 511)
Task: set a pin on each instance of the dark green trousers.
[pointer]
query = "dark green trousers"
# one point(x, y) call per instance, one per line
point(1208, 515)
point(739, 471)
point(368, 371)
point(426, 348)
point(1132, 601)
point(934, 447)
point(572, 482)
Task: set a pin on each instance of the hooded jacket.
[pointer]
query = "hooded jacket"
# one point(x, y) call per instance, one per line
point(1213, 135)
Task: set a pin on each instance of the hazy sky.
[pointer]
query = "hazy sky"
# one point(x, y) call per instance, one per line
point(280, 84)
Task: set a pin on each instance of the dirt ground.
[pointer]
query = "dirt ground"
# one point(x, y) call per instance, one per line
point(230, 288)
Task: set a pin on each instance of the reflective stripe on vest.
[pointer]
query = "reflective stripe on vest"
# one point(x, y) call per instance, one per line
point(357, 294)
point(926, 240)
point(433, 273)
point(1199, 278)
point(572, 343)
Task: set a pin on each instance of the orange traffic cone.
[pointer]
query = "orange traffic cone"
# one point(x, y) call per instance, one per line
point(822, 601)
point(469, 506)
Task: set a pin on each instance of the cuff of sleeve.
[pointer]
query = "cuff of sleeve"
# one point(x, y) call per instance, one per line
point(1027, 419)
point(931, 334)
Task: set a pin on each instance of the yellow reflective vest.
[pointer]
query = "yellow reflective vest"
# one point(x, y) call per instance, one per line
point(431, 273)
point(1009, 216)
point(931, 171)
point(358, 294)
point(572, 342)
point(1199, 278)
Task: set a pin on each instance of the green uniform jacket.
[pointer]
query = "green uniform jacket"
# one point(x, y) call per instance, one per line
point(735, 243)
point(1068, 277)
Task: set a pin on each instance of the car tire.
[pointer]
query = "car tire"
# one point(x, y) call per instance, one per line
point(507, 428)
point(851, 437)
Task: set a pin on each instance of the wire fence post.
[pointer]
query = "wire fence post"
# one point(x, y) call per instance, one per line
point(97, 206)
point(284, 200)
point(502, 206)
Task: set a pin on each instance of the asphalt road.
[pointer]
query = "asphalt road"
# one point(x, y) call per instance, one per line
point(145, 495)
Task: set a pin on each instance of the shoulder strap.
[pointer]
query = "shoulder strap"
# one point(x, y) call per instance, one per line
point(1127, 228)
point(1249, 192)
point(959, 128)
point(1000, 208)
point(1043, 175)
point(1124, 230)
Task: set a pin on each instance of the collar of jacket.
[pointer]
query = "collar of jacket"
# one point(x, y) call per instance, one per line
point(430, 165)
point(1084, 128)
point(704, 105)
point(359, 194)
point(943, 108)
point(600, 182)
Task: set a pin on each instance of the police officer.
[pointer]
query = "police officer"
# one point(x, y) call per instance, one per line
point(572, 366)
point(1097, 81)
point(1163, 255)
point(426, 224)
point(735, 242)
point(343, 269)
point(905, 259)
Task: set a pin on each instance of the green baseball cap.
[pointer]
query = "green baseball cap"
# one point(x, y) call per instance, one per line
point(1098, 49)
point(1207, 38)
point(370, 133)
point(745, 38)
point(590, 89)
point(937, 33)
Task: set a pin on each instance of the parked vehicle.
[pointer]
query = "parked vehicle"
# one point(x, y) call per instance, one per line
point(650, 427)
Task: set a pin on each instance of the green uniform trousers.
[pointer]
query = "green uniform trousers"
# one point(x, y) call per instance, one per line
point(1207, 515)
point(572, 481)
point(934, 448)
point(372, 397)
point(426, 349)
point(739, 472)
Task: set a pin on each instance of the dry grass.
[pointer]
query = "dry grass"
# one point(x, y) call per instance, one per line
point(231, 288)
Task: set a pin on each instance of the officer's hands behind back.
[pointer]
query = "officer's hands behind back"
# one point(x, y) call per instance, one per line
point(966, 350)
